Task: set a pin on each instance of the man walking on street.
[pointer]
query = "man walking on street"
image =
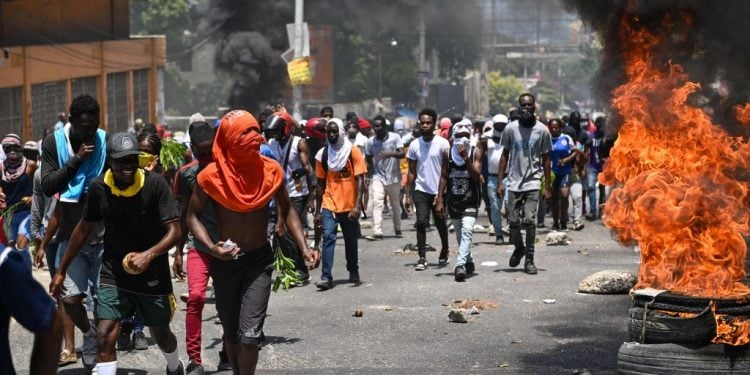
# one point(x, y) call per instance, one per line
point(238, 185)
point(340, 172)
point(72, 157)
point(526, 149)
point(141, 222)
point(291, 152)
point(384, 152)
point(460, 191)
point(199, 257)
point(425, 158)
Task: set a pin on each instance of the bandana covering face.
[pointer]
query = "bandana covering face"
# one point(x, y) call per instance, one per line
point(338, 153)
point(461, 127)
point(12, 170)
point(239, 178)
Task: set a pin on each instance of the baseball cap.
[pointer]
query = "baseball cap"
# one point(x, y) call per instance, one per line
point(499, 118)
point(122, 144)
point(487, 129)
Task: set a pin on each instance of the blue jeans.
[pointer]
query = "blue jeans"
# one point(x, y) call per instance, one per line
point(495, 205)
point(330, 221)
point(591, 179)
point(464, 231)
point(84, 269)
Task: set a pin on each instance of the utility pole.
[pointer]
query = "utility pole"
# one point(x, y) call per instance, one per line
point(421, 56)
point(298, 50)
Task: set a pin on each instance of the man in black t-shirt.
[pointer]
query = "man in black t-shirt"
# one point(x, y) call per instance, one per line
point(141, 221)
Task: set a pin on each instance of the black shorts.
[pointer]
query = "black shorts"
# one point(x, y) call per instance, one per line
point(242, 288)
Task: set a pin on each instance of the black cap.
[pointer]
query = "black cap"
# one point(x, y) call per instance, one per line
point(122, 144)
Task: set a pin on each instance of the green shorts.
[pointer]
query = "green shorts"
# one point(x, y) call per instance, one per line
point(116, 304)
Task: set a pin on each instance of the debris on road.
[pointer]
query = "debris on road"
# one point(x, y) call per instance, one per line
point(516, 342)
point(358, 313)
point(475, 303)
point(608, 282)
point(473, 311)
point(388, 308)
point(457, 316)
point(489, 264)
point(549, 301)
point(557, 239)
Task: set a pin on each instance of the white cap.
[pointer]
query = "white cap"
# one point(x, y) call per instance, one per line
point(398, 124)
point(196, 117)
point(499, 118)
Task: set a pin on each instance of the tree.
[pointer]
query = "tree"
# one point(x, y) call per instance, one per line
point(504, 91)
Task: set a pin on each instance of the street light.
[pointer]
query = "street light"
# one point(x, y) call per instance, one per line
point(393, 43)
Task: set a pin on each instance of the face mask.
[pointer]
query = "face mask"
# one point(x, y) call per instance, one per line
point(144, 159)
point(527, 118)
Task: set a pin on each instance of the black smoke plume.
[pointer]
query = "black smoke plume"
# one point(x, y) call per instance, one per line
point(709, 39)
point(252, 36)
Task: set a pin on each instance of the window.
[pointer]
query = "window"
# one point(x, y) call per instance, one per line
point(117, 102)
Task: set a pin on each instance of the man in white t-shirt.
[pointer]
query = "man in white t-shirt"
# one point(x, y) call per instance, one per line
point(383, 152)
point(425, 158)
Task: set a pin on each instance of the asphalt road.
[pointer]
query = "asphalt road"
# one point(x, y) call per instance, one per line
point(405, 328)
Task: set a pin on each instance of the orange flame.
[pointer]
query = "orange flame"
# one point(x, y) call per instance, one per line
point(742, 112)
point(679, 195)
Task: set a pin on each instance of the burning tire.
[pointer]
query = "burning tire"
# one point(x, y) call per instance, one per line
point(687, 304)
point(642, 359)
point(656, 327)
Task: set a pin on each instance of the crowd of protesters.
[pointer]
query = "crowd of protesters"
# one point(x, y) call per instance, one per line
point(103, 210)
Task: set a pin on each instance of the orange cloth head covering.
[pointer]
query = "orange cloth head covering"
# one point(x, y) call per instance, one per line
point(239, 178)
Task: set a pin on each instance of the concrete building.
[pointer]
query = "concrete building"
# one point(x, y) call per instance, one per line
point(54, 50)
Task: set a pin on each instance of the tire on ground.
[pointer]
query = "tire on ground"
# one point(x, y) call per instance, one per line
point(673, 359)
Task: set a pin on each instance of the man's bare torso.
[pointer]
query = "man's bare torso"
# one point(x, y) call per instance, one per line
point(248, 230)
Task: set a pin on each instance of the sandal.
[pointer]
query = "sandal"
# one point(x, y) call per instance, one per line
point(67, 358)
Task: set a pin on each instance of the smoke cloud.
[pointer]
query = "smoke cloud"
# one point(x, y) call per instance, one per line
point(252, 36)
point(708, 39)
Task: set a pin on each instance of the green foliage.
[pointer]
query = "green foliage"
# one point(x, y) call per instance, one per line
point(547, 97)
point(7, 215)
point(172, 155)
point(286, 271)
point(400, 81)
point(504, 91)
point(159, 16)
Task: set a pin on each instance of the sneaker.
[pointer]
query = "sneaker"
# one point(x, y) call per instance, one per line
point(404, 215)
point(451, 228)
point(398, 234)
point(577, 225)
point(139, 341)
point(180, 369)
point(354, 277)
point(443, 259)
point(223, 362)
point(515, 258)
point(540, 225)
point(67, 358)
point(194, 369)
point(499, 239)
point(491, 231)
point(89, 350)
point(324, 284)
point(421, 264)
point(184, 297)
point(460, 273)
point(530, 268)
point(374, 237)
point(591, 216)
point(123, 340)
point(469, 266)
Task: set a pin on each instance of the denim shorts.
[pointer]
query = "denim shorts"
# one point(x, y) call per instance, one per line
point(85, 267)
point(20, 224)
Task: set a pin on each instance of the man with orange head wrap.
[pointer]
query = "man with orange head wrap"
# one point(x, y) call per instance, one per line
point(238, 185)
